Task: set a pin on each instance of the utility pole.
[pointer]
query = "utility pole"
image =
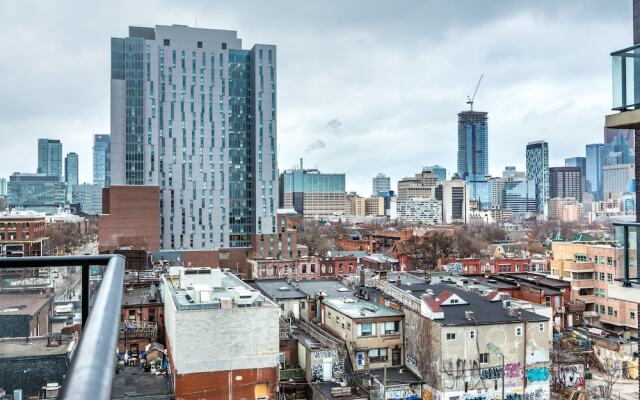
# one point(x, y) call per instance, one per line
point(384, 383)
point(503, 375)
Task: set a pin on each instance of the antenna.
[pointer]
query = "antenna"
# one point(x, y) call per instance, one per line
point(471, 99)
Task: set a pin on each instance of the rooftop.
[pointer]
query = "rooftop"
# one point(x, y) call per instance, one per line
point(484, 310)
point(140, 296)
point(132, 382)
point(22, 303)
point(35, 347)
point(279, 289)
point(207, 288)
point(329, 287)
point(359, 309)
point(396, 376)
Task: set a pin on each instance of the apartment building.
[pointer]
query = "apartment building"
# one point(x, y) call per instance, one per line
point(591, 269)
point(373, 333)
point(459, 343)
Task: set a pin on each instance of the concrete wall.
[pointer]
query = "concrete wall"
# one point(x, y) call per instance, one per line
point(226, 346)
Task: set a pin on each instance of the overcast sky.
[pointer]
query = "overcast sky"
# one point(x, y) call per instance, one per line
point(363, 86)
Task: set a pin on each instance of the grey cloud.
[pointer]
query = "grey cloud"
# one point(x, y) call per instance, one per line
point(390, 75)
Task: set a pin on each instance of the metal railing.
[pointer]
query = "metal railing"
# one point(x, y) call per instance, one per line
point(90, 375)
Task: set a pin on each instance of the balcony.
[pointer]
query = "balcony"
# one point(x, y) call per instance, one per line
point(138, 329)
point(575, 266)
point(626, 88)
point(583, 283)
point(91, 371)
point(292, 374)
point(575, 306)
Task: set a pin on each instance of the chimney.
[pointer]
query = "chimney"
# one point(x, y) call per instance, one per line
point(362, 279)
point(301, 163)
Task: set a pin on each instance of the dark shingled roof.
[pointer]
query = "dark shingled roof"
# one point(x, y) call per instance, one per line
point(485, 311)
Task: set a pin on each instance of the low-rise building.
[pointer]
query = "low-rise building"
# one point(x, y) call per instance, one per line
point(591, 268)
point(374, 206)
point(142, 318)
point(287, 268)
point(420, 210)
point(222, 335)
point(22, 233)
point(373, 333)
point(292, 301)
point(565, 209)
point(463, 344)
point(25, 314)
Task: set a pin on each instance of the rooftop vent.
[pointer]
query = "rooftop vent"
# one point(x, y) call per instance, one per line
point(469, 315)
point(284, 288)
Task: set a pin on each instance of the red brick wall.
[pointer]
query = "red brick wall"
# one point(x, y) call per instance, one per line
point(235, 384)
point(131, 217)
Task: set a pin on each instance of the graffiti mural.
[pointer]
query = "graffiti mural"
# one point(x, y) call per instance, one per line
point(317, 361)
point(538, 374)
point(490, 373)
point(513, 370)
point(569, 376)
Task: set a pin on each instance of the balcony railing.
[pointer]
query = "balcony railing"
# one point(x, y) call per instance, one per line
point(90, 375)
point(575, 306)
point(626, 78)
point(138, 329)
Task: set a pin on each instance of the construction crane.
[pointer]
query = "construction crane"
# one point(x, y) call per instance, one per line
point(471, 99)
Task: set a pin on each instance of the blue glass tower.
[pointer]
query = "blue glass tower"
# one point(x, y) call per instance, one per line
point(473, 145)
point(594, 163)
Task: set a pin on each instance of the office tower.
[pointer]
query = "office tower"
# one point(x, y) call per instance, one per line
point(38, 192)
point(565, 182)
point(374, 206)
point(595, 161)
point(538, 171)
point(619, 146)
point(420, 211)
point(3, 186)
point(510, 172)
point(473, 145)
point(50, 157)
point(381, 183)
point(102, 160)
point(617, 180)
point(440, 172)
point(519, 196)
point(89, 197)
point(580, 162)
point(422, 185)
point(195, 114)
point(312, 193)
point(71, 169)
point(496, 190)
point(354, 205)
point(455, 200)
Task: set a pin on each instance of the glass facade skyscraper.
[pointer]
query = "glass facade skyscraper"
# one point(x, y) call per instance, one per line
point(195, 114)
point(71, 169)
point(519, 196)
point(619, 146)
point(380, 183)
point(50, 158)
point(38, 192)
point(473, 145)
point(440, 172)
point(538, 171)
point(594, 163)
point(102, 160)
point(312, 193)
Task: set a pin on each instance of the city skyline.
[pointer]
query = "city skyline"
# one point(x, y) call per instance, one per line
point(322, 125)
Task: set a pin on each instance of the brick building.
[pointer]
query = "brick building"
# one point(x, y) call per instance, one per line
point(25, 314)
point(130, 218)
point(22, 233)
point(142, 317)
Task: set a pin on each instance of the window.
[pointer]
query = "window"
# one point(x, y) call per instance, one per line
point(167, 42)
point(451, 336)
point(132, 315)
point(484, 358)
point(609, 261)
point(377, 355)
point(632, 315)
point(472, 335)
point(609, 277)
point(602, 260)
point(609, 310)
point(224, 46)
point(199, 44)
point(581, 257)
point(391, 327)
point(547, 300)
point(519, 331)
point(541, 327)
point(366, 329)
point(601, 275)
point(601, 309)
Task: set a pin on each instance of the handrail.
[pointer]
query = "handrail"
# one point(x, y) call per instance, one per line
point(90, 375)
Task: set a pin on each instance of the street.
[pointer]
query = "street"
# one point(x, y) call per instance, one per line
point(623, 389)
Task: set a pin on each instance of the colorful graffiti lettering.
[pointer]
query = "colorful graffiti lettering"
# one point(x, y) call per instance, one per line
point(490, 373)
point(538, 374)
point(569, 376)
point(513, 370)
